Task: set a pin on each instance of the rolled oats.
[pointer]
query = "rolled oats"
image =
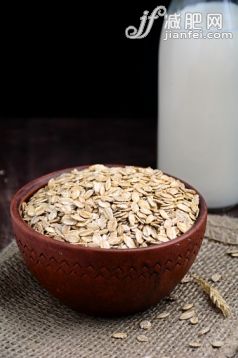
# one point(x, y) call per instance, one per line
point(187, 306)
point(163, 315)
point(142, 338)
point(195, 344)
point(119, 335)
point(117, 207)
point(187, 315)
point(145, 324)
point(217, 344)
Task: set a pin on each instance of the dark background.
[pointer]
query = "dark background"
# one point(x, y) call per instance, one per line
point(75, 61)
point(74, 90)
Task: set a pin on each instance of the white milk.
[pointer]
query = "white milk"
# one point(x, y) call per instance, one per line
point(198, 109)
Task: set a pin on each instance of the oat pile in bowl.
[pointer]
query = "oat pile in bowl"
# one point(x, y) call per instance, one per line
point(116, 207)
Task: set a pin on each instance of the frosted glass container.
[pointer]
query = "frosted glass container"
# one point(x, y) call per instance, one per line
point(198, 105)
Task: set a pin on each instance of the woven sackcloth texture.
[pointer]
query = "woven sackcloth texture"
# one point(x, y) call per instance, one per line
point(34, 324)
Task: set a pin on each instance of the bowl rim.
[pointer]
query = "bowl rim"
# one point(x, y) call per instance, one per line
point(32, 186)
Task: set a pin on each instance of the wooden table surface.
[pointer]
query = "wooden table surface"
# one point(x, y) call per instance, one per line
point(33, 147)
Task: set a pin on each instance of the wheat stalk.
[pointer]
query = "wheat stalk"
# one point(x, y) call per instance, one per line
point(214, 295)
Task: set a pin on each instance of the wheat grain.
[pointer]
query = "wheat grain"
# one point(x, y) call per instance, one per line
point(214, 295)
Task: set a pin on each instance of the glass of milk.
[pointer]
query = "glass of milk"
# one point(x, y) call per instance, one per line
point(198, 98)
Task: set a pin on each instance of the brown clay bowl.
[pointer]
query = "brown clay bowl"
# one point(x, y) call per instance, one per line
point(104, 281)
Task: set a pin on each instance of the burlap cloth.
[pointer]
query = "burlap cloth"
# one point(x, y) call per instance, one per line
point(34, 324)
